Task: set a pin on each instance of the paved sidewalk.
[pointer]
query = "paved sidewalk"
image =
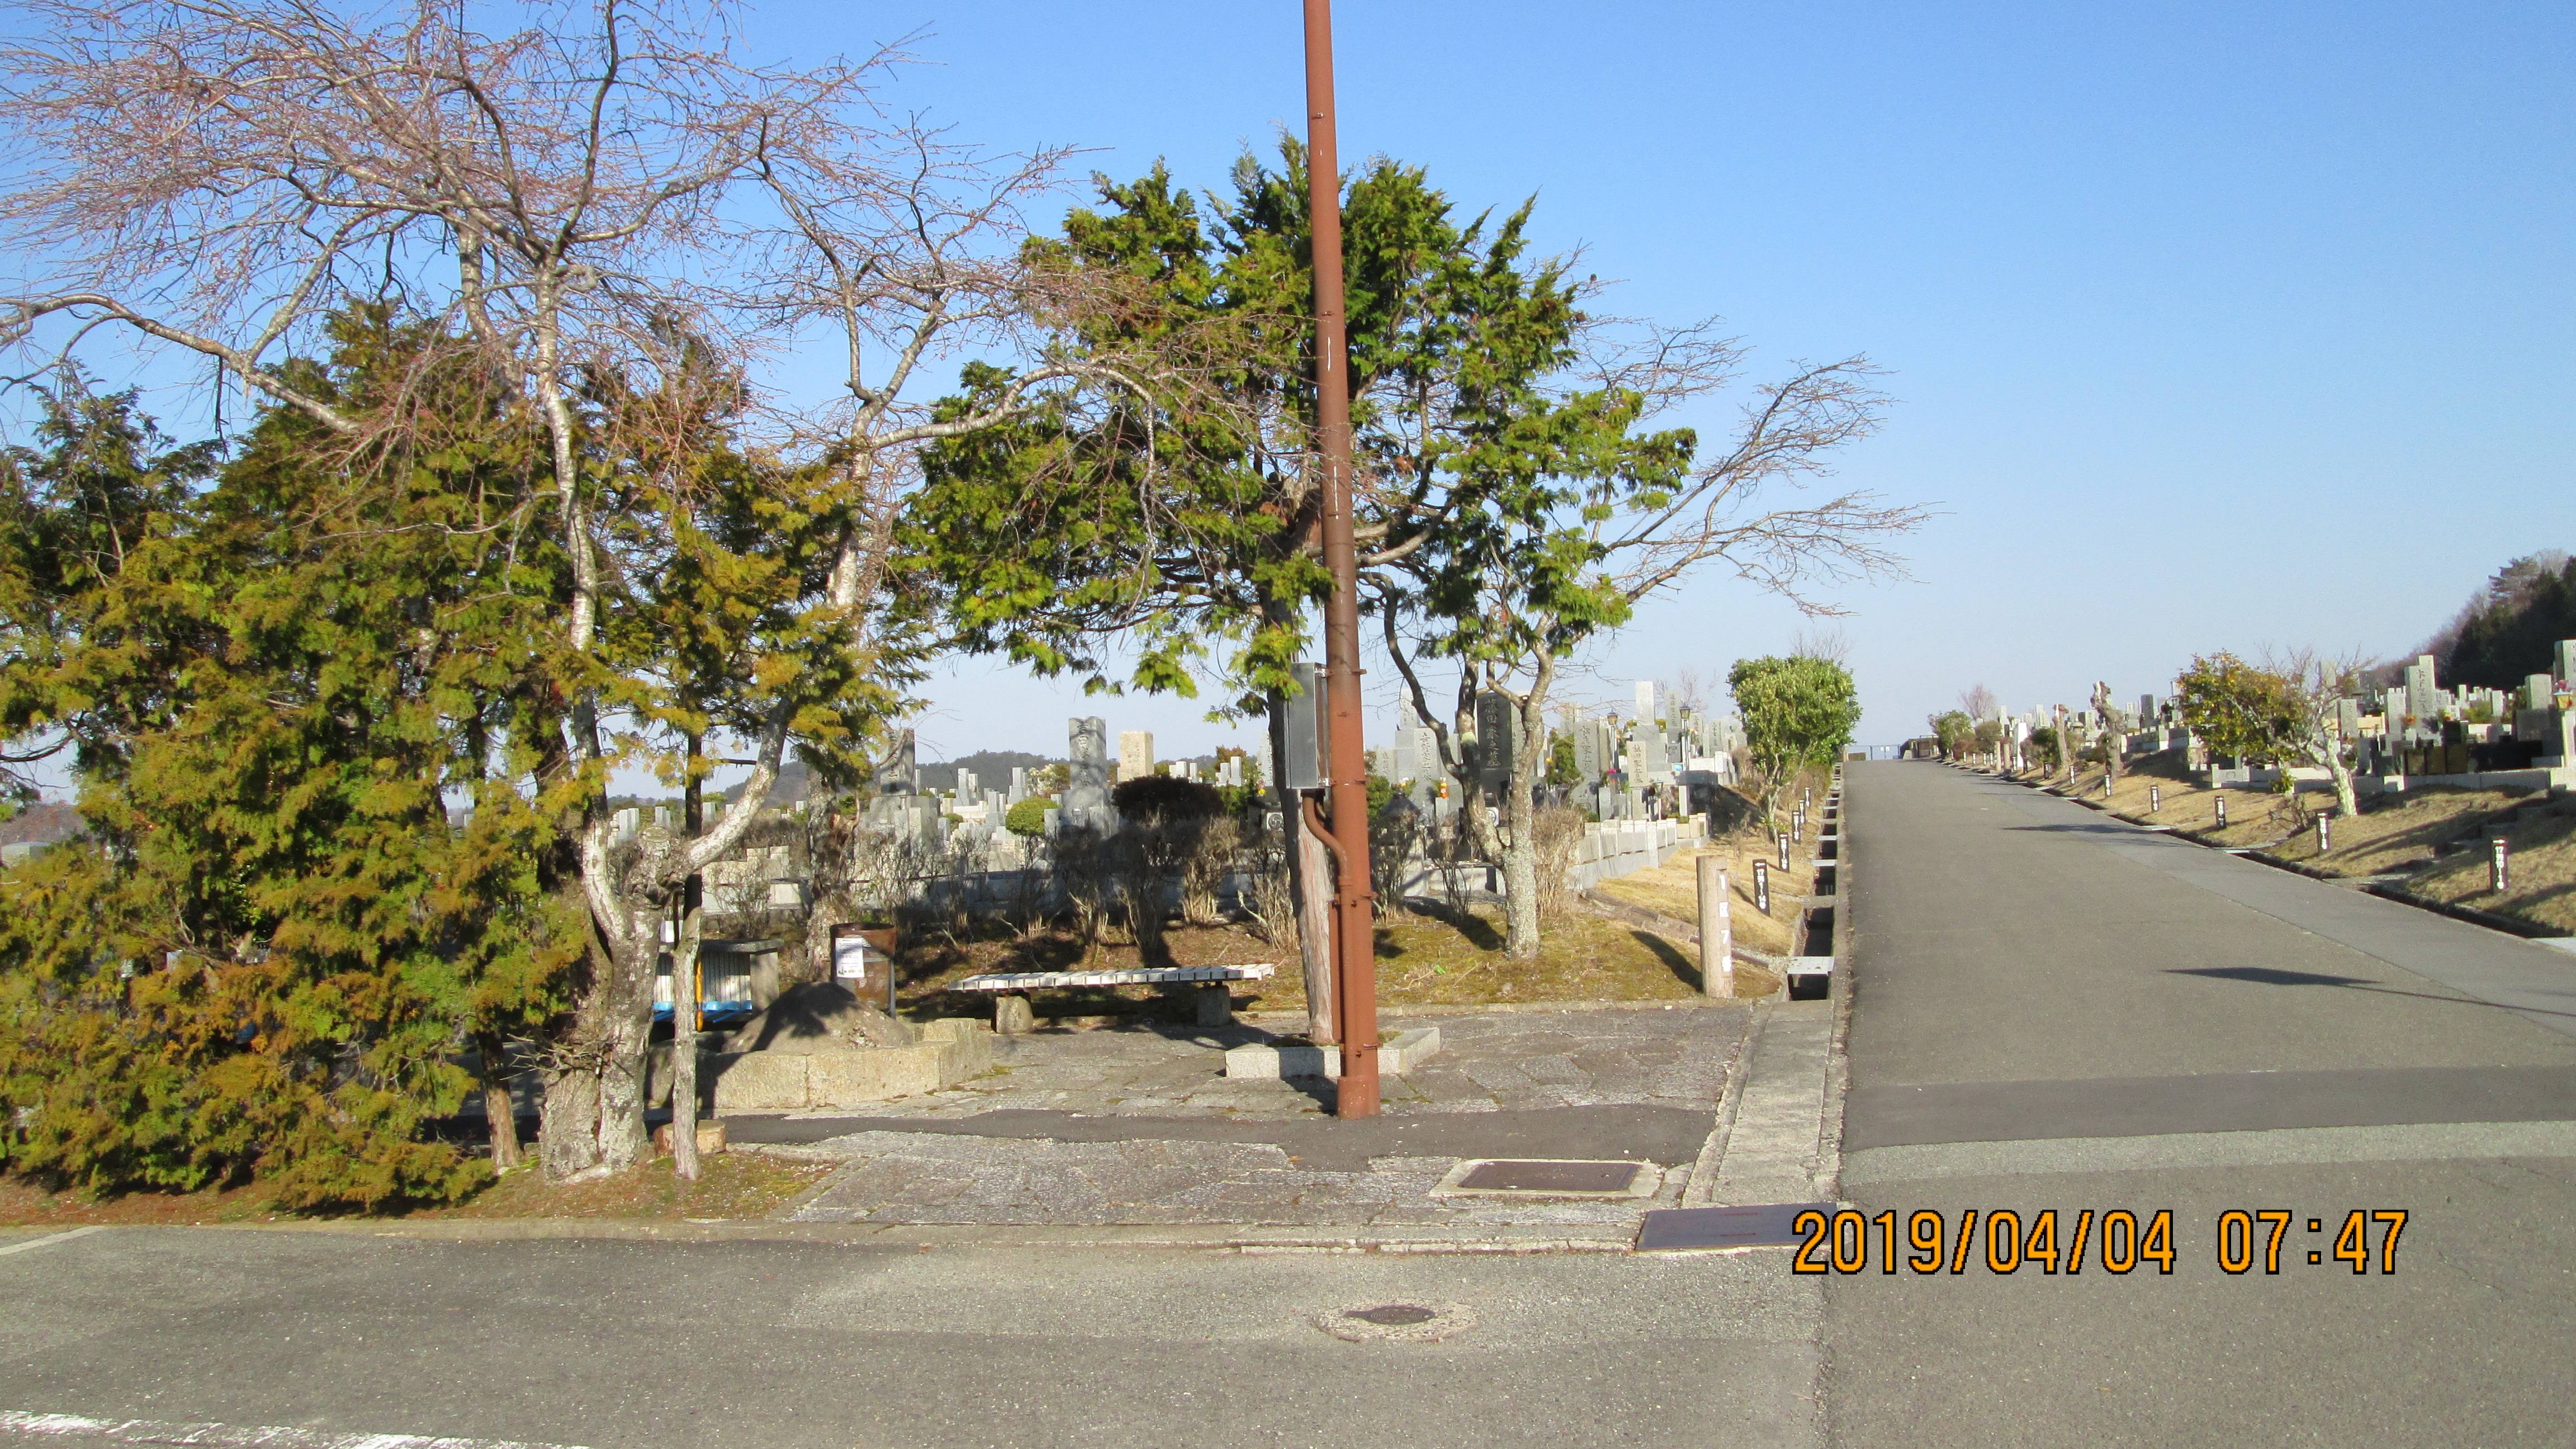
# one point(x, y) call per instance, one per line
point(1140, 1126)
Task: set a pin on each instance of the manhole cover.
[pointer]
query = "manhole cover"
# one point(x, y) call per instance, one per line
point(1397, 1322)
point(1766, 1225)
point(1520, 1175)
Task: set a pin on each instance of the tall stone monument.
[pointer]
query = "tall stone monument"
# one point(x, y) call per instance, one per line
point(901, 772)
point(1086, 781)
point(2420, 701)
point(1135, 754)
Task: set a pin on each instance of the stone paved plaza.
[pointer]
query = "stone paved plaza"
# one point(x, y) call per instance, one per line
point(1140, 1125)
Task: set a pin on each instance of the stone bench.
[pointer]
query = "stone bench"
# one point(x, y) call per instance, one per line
point(1010, 989)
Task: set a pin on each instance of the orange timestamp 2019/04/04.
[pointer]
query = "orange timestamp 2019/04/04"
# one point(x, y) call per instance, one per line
point(2117, 1241)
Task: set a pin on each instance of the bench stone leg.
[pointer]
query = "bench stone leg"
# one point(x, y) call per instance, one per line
point(1216, 1004)
point(1012, 1016)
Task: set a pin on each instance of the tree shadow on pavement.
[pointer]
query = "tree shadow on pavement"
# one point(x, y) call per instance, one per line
point(2275, 976)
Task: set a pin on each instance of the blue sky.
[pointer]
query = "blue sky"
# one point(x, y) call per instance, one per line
point(2211, 326)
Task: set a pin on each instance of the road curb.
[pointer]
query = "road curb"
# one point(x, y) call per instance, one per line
point(2496, 921)
point(1205, 1237)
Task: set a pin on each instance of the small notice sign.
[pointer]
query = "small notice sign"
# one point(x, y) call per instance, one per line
point(863, 967)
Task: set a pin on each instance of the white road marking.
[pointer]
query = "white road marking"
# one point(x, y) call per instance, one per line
point(145, 1431)
point(2273, 1147)
point(33, 1243)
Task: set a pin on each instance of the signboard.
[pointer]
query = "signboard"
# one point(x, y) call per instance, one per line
point(861, 964)
point(1494, 737)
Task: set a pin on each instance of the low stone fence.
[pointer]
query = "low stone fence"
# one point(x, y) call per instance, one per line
point(1615, 848)
point(2308, 778)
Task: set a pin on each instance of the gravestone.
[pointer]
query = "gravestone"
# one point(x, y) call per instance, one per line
point(1587, 752)
point(2423, 701)
point(1497, 733)
point(2347, 719)
point(1135, 754)
point(1645, 701)
point(1654, 762)
point(1086, 786)
point(2565, 661)
point(901, 772)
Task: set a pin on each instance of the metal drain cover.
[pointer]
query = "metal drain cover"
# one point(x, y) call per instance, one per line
point(1397, 1322)
point(1540, 1177)
point(1767, 1225)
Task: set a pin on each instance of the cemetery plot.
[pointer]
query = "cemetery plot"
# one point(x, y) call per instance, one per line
point(2542, 883)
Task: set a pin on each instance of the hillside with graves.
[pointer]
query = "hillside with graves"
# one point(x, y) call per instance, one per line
point(2453, 794)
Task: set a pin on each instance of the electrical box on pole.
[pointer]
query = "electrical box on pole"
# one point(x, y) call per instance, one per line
point(1303, 721)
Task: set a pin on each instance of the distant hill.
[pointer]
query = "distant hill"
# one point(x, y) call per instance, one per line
point(992, 769)
point(2511, 626)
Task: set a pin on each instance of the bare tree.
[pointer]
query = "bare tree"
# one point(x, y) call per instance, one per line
point(606, 197)
point(2112, 738)
point(2317, 687)
point(1688, 689)
point(1496, 565)
point(1830, 643)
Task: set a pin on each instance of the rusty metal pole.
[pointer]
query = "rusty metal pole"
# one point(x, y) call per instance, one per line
point(1354, 923)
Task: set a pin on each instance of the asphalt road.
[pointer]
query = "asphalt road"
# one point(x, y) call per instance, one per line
point(2055, 1011)
point(771, 1344)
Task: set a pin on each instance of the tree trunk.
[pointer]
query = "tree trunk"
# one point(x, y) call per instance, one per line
point(568, 1124)
point(1520, 820)
point(1520, 866)
point(684, 1049)
point(492, 1055)
point(623, 1141)
point(685, 993)
point(1310, 885)
point(601, 1124)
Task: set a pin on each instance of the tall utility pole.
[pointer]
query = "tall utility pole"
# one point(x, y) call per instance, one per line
point(1354, 924)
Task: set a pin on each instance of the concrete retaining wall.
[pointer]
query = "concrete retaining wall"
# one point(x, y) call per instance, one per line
point(951, 1050)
